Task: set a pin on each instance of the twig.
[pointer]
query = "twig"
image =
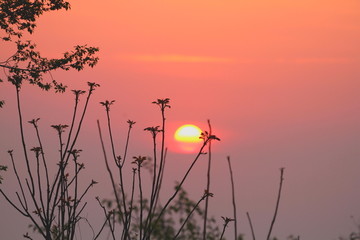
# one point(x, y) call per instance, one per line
point(19, 181)
point(161, 178)
point(207, 184)
point(226, 222)
point(107, 219)
point(131, 123)
point(141, 201)
point(107, 106)
point(154, 131)
point(277, 202)
point(34, 122)
point(251, 226)
point(23, 138)
point(110, 173)
point(206, 194)
point(233, 196)
point(206, 141)
point(132, 198)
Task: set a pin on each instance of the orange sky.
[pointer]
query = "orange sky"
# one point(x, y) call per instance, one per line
point(278, 79)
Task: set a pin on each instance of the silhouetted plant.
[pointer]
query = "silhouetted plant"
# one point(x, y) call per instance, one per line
point(207, 185)
point(55, 209)
point(233, 198)
point(27, 64)
point(277, 202)
point(180, 220)
point(150, 213)
point(2, 168)
point(226, 222)
point(54, 206)
point(354, 235)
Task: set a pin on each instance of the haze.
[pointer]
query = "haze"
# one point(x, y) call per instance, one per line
point(279, 81)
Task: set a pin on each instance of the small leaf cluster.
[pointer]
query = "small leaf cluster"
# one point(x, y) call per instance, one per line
point(2, 168)
point(27, 64)
point(18, 16)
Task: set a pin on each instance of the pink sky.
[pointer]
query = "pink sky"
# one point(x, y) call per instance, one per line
point(278, 79)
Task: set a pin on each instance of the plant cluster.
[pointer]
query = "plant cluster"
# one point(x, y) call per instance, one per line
point(151, 218)
point(54, 203)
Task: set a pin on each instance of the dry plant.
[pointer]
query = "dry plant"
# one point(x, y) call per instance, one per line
point(53, 204)
point(150, 212)
point(149, 215)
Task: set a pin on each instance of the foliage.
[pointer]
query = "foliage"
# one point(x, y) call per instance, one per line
point(354, 235)
point(2, 168)
point(19, 16)
point(26, 63)
point(182, 211)
point(54, 205)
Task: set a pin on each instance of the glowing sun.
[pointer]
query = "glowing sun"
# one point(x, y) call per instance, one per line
point(188, 133)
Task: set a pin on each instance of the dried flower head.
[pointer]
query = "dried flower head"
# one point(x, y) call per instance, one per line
point(227, 220)
point(208, 137)
point(60, 128)
point(139, 160)
point(162, 103)
point(37, 151)
point(107, 104)
point(153, 130)
point(75, 153)
point(92, 86)
point(77, 94)
point(34, 121)
point(131, 123)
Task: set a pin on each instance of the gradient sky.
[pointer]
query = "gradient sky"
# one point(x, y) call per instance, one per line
point(279, 81)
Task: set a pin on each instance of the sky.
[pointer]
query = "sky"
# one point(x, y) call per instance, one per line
point(278, 80)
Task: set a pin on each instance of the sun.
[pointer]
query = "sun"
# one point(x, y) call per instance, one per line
point(188, 133)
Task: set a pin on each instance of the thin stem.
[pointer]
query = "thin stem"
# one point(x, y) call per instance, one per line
point(207, 184)
point(226, 220)
point(45, 168)
point(233, 196)
point(127, 141)
point(37, 209)
point(162, 154)
point(107, 220)
point(187, 218)
point(57, 182)
point(76, 201)
point(19, 181)
point(277, 202)
point(120, 171)
point(180, 185)
point(92, 87)
point(161, 178)
point(223, 232)
point(141, 203)
point(39, 186)
point(251, 226)
point(71, 126)
point(24, 213)
point(23, 139)
point(110, 174)
point(132, 198)
point(153, 189)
